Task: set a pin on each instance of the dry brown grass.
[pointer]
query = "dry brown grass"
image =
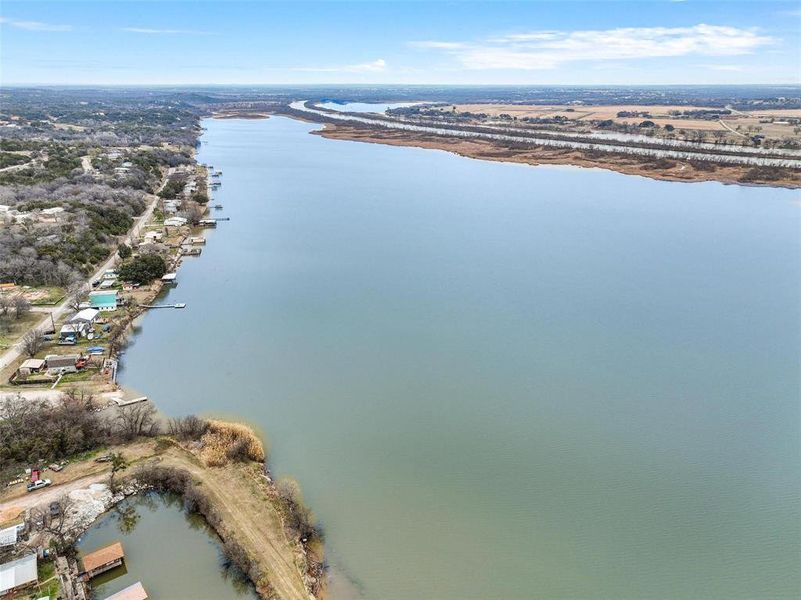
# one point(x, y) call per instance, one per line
point(225, 441)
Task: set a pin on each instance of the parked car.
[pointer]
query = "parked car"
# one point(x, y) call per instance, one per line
point(38, 484)
point(55, 509)
point(56, 467)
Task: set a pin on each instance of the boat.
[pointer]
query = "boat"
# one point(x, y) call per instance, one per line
point(180, 305)
point(218, 206)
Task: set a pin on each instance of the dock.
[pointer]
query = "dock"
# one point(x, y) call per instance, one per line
point(176, 305)
point(121, 402)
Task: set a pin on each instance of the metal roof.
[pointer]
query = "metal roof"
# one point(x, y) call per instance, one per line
point(87, 314)
point(18, 573)
point(132, 592)
point(8, 536)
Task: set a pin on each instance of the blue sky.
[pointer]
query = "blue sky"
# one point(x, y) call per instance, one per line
point(231, 42)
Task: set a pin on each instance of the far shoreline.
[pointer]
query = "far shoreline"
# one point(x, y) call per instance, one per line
point(679, 172)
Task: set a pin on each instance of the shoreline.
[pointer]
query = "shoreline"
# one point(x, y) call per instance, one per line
point(675, 170)
point(679, 172)
point(314, 574)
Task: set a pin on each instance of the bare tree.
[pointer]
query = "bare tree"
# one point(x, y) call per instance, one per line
point(194, 212)
point(55, 521)
point(32, 342)
point(75, 293)
point(136, 420)
point(21, 306)
point(190, 427)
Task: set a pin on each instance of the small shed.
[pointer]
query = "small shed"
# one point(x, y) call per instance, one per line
point(103, 560)
point(105, 300)
point(132, 592)
point(32, 365)
point(18, 574)
point(9, 535)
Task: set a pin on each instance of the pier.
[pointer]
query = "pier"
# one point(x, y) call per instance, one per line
point(176, 305)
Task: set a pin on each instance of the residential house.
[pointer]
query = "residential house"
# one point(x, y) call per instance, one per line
point(87, 315)
point(61, 363)
point(104, 300)
point(153, 236)
point(18, 574)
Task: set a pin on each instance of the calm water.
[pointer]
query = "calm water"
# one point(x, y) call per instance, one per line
point(174, 555)
point(500, 381)
point(364, 107)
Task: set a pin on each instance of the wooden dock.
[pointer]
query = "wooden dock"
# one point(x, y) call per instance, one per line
point(176, 305)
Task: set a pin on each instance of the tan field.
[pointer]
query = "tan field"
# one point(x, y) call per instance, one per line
point(660, 114)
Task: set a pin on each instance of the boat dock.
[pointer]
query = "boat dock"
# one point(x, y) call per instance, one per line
point(176, 305)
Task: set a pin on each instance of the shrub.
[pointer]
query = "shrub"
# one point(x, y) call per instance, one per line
point(223, 438)
point(143, 269)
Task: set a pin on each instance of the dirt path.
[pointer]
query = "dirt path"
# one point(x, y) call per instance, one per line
point(249, 514)
point(238, 492)
point(11, 509)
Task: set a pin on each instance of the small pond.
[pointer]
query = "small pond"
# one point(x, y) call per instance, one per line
point(174, 554)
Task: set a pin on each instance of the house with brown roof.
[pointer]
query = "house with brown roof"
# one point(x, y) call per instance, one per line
point(103, 560)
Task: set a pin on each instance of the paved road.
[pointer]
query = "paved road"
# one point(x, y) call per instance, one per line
point(15, 352)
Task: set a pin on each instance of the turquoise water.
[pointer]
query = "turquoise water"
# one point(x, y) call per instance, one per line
point(175, 555)
point(501, 381)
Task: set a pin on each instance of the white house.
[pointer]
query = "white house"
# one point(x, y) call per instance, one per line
point(175, 222)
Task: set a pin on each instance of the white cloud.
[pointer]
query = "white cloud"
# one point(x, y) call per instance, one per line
point(537, 50)
point(375, 66)
point(148, 31)
point(34, 25)
point(736, 68)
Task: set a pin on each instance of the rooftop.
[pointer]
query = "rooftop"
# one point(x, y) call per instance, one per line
point(101, 557)
point(132, 592)
point(18, 573)
point(87, 314)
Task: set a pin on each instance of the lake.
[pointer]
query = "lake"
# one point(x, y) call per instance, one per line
point(364, 107)
point(173, 554)
point(496, 380)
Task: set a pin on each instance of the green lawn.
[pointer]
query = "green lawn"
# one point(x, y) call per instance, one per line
point(48, 582)
point(53, 295)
